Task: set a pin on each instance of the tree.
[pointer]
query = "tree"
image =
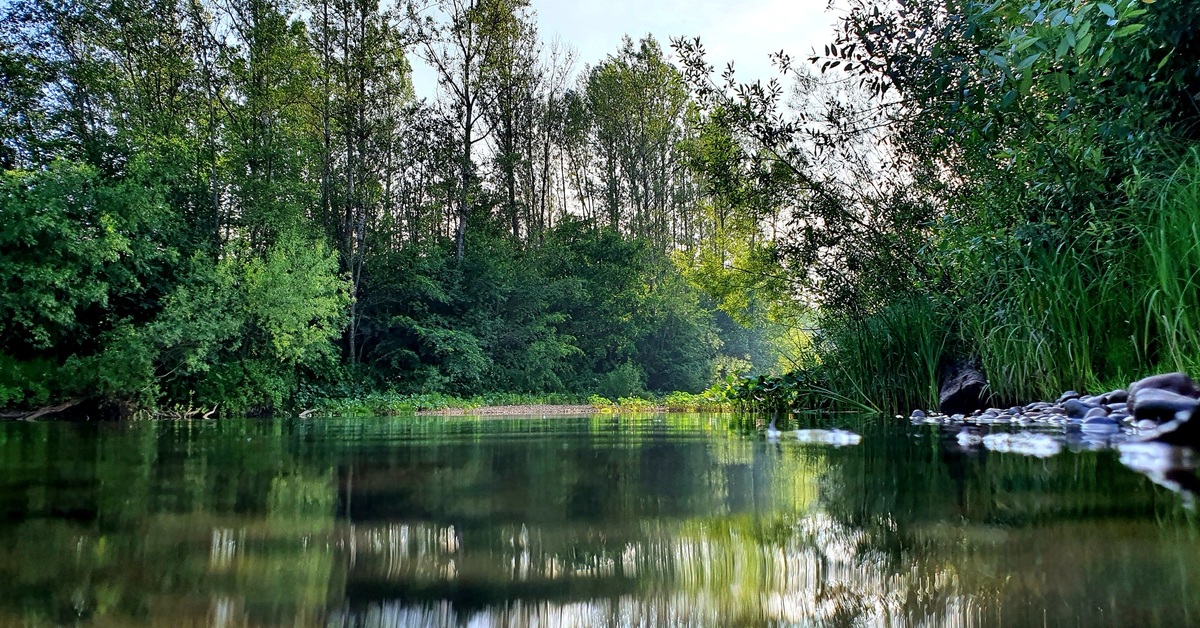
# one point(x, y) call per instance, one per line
point(462, 50)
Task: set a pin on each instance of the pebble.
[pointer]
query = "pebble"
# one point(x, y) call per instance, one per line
point(1088, 421)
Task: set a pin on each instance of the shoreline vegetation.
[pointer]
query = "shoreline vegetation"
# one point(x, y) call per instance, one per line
point(216, 209)
point(712, 400)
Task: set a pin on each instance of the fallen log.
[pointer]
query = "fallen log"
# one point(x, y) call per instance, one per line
point(40, 412)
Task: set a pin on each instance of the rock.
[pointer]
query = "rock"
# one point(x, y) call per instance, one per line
point(1118, 407)
point(962, 389)
point(1178, 383)
point(1076, 408)
point(1117, 396)
point(1146, 424)
point(918, 414)
point(1016, 410)
point(1095, 413)
point(1070, 394)
point(1160, 405)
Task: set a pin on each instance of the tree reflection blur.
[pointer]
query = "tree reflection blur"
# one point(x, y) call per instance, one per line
point(603, 520)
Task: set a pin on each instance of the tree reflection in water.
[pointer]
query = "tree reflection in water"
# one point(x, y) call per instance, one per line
point(681, 520)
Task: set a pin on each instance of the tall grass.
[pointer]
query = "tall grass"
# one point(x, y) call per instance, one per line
point(1171, 236)
point(889, 359)
point(1057, 317)
point(1090, 306)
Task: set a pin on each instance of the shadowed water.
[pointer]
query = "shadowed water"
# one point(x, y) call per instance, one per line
point(653, 520)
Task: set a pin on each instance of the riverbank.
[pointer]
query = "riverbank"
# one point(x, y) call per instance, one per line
point(713, 400)
point(514, 410)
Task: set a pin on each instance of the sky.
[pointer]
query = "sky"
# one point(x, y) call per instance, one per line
point(743, 31)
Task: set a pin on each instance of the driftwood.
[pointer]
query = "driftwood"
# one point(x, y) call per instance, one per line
point(40, 412)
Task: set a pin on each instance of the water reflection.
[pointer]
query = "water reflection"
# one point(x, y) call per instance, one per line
point(683, 520)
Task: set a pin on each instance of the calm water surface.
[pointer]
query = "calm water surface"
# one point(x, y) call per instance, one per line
point(587, 521)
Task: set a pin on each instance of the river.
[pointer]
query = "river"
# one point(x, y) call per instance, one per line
point(588, 521)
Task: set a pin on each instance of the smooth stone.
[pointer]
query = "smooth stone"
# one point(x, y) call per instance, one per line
point(1146, 424)
point(1161, 405)
point(918, 414)
point(1070, 394)
point(1177, 382)
point(957, 417)
point(1092, 400)
point(1076, 408)
point(1015, 410)
point(1057, 411)
point(1120, 416)
point(1096, 412)
point(1118, 407)
point(1119, 395)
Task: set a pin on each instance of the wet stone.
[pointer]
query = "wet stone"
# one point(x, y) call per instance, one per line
point(1161, 405)
point(1117, 396)
point(1096, 412)
point(1076, 408)
point(1178, 383)
point(918, 414)
point(1070, 394)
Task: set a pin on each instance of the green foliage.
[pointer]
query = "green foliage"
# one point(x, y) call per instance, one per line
point(242, 206)
point(1171, 335)
point(74, 245)
point(625, 381)
point(1033, 212)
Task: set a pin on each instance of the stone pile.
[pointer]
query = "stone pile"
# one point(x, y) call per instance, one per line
point(1160, 408)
